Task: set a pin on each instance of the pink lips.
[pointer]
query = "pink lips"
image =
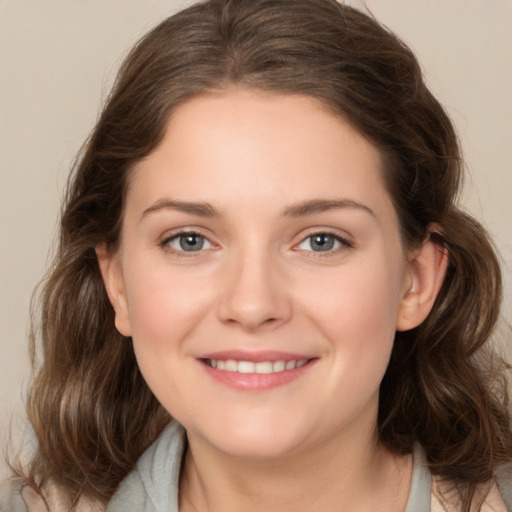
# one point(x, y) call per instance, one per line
point(255, 371)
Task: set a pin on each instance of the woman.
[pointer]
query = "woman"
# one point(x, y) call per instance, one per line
point(260, 241)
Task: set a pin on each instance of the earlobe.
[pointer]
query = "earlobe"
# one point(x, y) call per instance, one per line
point(111, 272)
point(427, 266)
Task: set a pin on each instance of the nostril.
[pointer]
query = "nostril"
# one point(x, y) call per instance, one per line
point(255, 323)
point(254, 303)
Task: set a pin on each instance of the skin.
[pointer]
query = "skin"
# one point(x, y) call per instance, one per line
point(259, 283)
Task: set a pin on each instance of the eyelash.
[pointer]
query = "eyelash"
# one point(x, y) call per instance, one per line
point(166, 243)
point(343, 244)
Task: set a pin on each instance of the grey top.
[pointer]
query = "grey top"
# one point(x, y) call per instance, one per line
point(153, 485)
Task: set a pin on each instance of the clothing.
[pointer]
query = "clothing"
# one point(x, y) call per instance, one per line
point(153, 485)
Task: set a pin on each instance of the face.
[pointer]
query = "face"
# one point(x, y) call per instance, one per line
point(261, 273)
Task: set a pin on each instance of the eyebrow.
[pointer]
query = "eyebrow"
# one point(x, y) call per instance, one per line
point(323, 205)
point(199, 208)
point(302, 209)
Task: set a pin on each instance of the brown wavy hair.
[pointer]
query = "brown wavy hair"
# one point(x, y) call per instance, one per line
point(91, 411)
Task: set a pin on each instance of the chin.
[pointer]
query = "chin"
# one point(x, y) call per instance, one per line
point(252, 440)
point(262, 447)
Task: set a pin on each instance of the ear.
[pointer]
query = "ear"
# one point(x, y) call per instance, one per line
point(427, 268)
point(112, 274)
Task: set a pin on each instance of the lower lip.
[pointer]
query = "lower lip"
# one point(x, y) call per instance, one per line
point(256, 381)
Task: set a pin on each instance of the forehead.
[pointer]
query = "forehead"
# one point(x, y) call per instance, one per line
point(252, 145)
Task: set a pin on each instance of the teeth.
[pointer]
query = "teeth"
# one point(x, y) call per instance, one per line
point(266, 367)
point(231, 365)
point(290, 365)
point(278, 366)
point(245, 367)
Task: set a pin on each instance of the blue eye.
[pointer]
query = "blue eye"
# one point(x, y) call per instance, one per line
point(322, 242)
point(189, 242)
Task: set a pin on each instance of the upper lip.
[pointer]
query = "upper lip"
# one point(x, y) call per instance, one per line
point(256, 356)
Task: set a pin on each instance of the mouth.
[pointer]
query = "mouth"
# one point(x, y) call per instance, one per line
point(256, 372)
point(260, 367)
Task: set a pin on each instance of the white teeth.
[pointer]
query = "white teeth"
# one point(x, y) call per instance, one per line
point(246, 367)
point(265, 367)
point(278, 366)
point(231, 365)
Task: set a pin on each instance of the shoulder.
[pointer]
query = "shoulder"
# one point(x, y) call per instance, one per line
point(498, 494)
point(146, 487)
point(153, 484)
point(504, 481)
point(10, 496)
point(11, 499)
point(17, 496)
point(497, 497)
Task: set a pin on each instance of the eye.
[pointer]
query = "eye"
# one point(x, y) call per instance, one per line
point(188, 242)
point(322, 242)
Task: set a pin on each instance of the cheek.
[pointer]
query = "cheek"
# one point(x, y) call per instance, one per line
point(365, 294)
point(164, 306)
point(357, 310)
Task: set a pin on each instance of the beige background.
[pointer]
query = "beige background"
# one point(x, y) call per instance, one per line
point(57, 59)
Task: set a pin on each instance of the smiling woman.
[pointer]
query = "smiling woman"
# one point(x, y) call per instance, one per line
point(265, 297)
point(213, 302)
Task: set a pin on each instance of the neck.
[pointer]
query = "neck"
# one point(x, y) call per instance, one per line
point(361, 475)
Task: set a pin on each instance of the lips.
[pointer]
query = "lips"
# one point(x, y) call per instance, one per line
point(256, 371)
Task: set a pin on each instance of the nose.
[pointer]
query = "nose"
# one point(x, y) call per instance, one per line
point(254, 294)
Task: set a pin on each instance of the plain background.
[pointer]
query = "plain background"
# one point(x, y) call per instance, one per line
point(58, 59)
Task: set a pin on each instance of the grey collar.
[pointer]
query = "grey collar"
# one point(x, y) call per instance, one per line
point(153, 485)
